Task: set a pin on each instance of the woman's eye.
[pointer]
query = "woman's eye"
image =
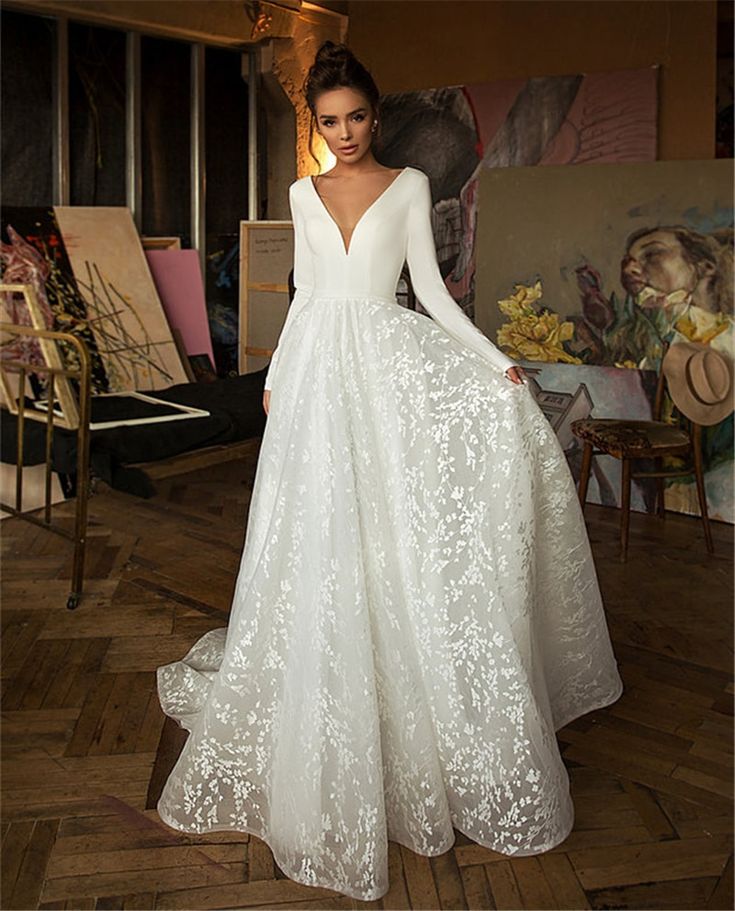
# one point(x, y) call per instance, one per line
point(330, 123)
point(656, 251)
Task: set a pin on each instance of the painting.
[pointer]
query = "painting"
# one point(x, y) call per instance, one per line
point(222, 278)
point(599, 266)
point(123, 307)
point(32, 252)
point(456, 133)
point(19, 305)
point(92, 279)
point(565, 393)
point(266, 259)
point(177, 275)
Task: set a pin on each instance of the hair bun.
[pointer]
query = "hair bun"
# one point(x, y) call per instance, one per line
point(330, 52)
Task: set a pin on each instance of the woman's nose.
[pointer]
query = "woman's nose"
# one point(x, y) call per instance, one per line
point(631, 266)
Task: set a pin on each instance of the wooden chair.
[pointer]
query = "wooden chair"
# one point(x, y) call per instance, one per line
point(632, 440)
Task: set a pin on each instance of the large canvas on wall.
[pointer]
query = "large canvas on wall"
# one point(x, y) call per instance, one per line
point(458, 132)
point(598, 266)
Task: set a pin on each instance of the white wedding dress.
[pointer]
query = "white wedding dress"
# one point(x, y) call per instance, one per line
point(417, 610)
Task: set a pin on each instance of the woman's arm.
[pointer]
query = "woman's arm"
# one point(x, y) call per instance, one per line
point(429, 284)
point(303, 280)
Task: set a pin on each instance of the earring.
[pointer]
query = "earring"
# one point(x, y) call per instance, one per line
point(375, 123)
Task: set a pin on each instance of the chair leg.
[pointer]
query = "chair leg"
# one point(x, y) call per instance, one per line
point(584, 474)
point(625, 510)
point(701, 492)
point(660, 491)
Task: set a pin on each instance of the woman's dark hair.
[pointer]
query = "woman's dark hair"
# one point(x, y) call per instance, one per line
point(335, 66)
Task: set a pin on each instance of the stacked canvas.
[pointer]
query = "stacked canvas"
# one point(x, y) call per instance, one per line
point(88, 266)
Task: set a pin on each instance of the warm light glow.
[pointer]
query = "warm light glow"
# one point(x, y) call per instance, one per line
point(326, 159)
point(321, 150)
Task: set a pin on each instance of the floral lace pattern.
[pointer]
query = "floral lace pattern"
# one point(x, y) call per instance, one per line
point(416, 612)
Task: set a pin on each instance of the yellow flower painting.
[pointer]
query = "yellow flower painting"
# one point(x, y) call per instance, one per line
point(531, 334)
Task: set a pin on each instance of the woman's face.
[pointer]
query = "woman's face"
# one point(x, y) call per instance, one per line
point(344, 118)
point(657, 260)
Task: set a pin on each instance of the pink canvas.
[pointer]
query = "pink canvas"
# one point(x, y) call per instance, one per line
point(178, 278)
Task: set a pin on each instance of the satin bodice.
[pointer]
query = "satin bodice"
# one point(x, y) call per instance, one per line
point(377, 249)
point(394, 229)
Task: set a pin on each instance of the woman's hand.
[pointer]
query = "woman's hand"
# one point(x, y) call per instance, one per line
point(266, 400)
point(515, 374)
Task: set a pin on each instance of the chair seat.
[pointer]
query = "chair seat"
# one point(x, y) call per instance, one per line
point(632, 439)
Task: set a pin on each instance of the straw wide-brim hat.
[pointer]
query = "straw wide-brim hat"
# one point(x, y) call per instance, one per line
point(700, 381)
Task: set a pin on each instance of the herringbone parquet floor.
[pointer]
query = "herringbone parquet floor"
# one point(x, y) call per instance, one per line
point(86, 750)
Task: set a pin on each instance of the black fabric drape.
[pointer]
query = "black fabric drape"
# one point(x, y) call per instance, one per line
point(235, 413)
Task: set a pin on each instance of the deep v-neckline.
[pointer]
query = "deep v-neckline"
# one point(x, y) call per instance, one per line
point(347, 247)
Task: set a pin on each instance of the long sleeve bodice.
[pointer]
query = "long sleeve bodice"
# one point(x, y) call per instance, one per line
point(396, 228)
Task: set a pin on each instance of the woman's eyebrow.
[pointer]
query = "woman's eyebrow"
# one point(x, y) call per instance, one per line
point(349, 114)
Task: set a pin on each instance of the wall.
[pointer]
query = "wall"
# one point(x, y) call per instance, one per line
point(414, 45)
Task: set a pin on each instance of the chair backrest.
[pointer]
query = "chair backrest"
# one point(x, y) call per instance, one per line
point(658, 399)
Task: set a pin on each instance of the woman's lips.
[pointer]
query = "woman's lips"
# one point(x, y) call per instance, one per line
point(348, 149)
point(632, 285)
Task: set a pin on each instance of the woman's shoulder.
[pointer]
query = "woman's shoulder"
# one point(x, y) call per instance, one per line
point(299, 182)
point(297, 192)
point(417, 173)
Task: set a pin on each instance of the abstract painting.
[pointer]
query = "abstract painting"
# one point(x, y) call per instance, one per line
point(90, 273)
point(33, 252)
point(123, 307)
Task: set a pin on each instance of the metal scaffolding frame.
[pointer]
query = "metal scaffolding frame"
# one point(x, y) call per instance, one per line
point(133, 146)
point(83, 376)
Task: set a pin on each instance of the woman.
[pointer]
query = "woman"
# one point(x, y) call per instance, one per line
point(416, 610)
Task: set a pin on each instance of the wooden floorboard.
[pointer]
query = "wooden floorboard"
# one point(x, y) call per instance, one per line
point(86, 749)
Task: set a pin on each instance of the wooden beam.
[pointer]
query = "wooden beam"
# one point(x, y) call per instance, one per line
point(229, 23)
